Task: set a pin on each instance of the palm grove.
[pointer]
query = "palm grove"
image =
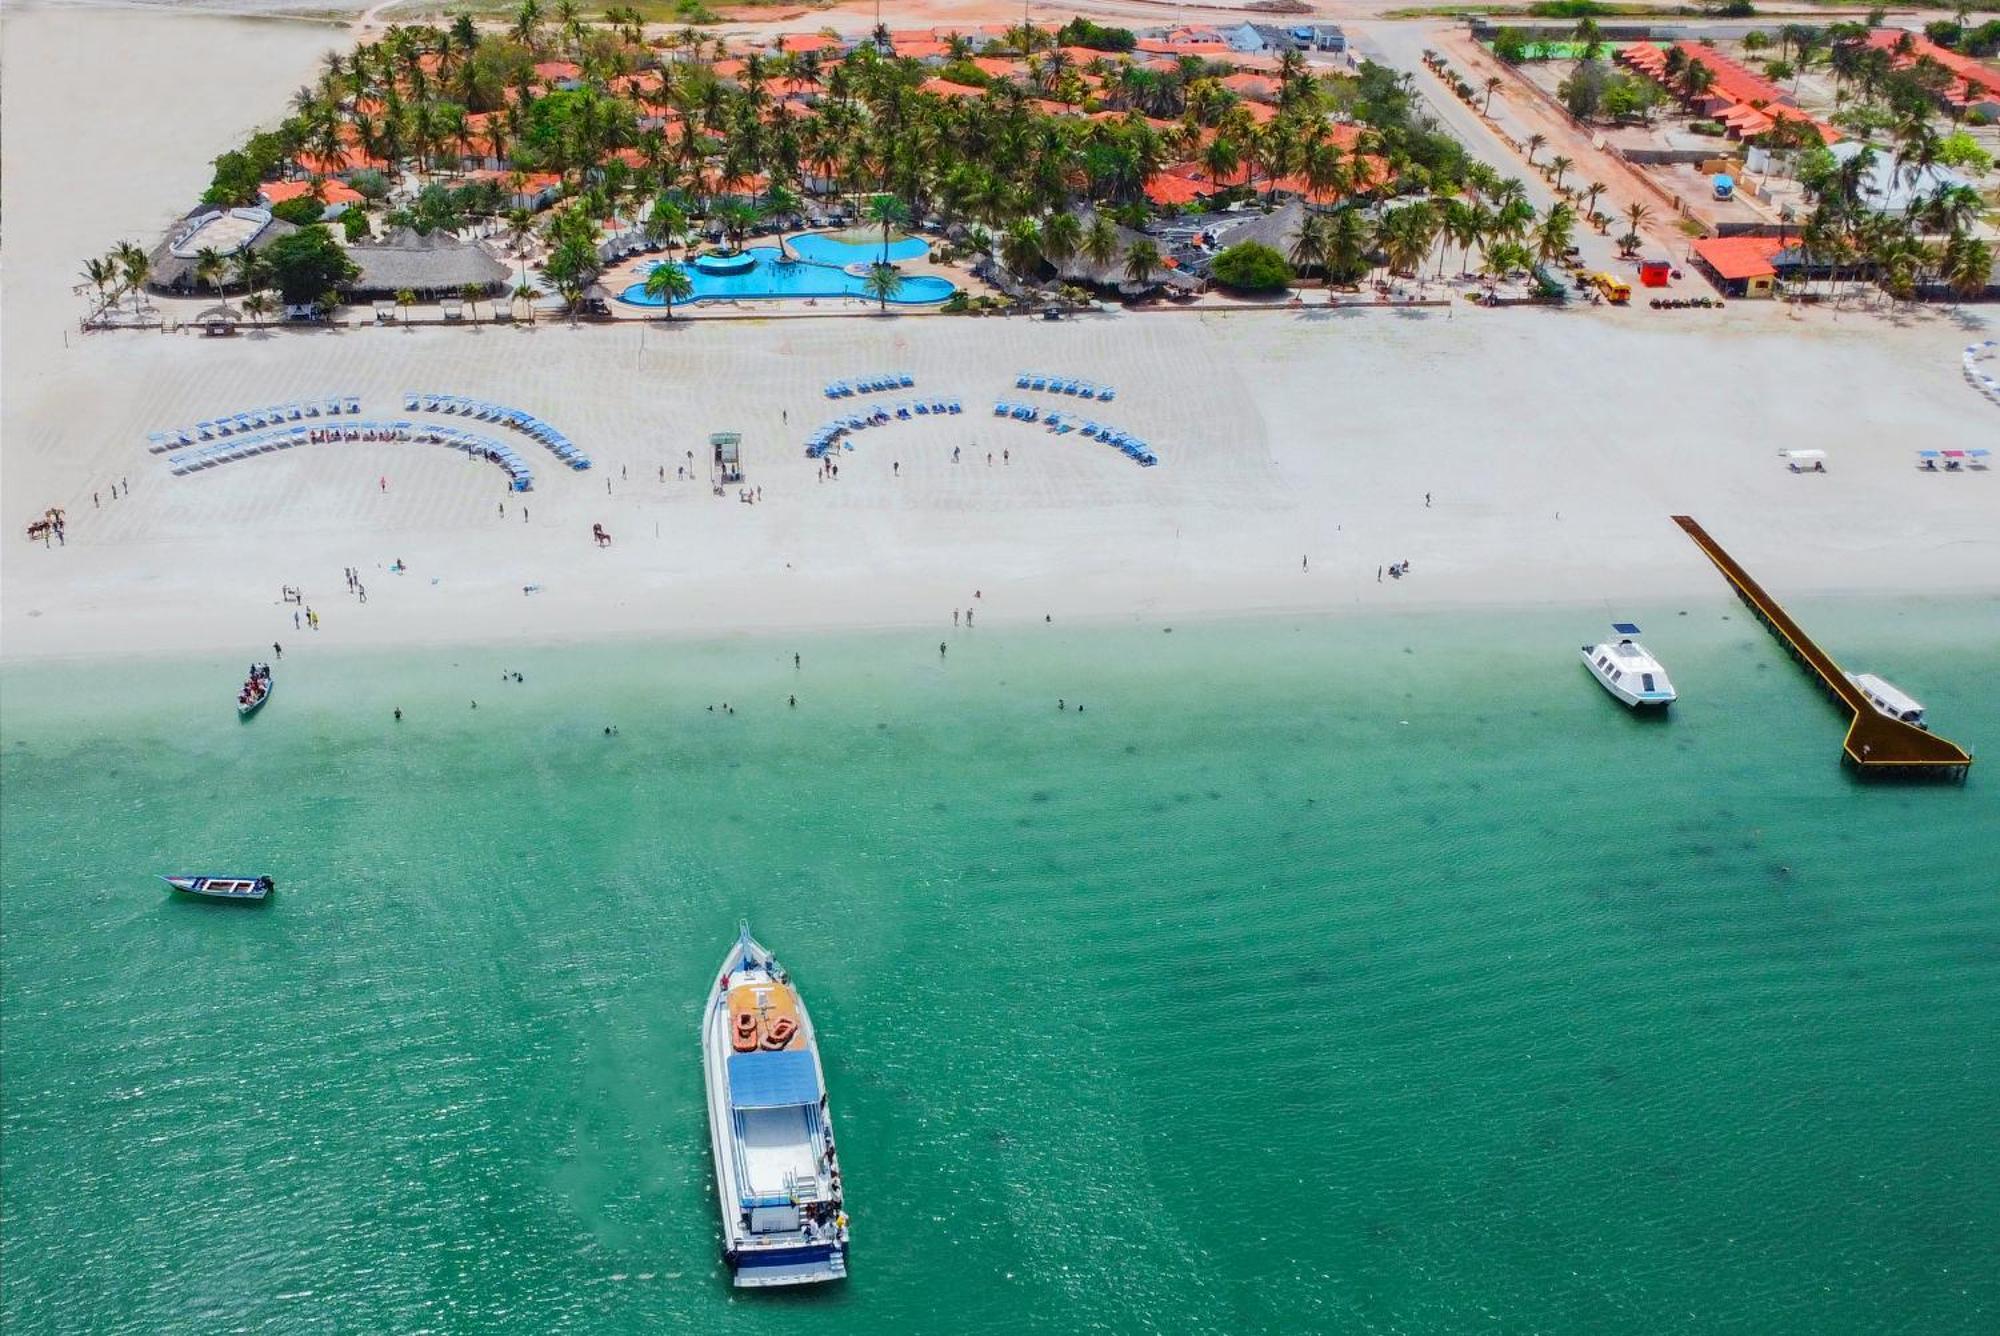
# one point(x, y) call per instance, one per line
point(660, 132)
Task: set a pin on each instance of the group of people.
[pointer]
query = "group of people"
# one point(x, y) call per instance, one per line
point(254, 687)
point(50, 525)
point(1396, 571)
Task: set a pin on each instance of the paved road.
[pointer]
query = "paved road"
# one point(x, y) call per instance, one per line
point(1402, 46)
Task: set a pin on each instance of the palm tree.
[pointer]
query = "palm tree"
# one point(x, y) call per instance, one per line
point(208, 268)
point(890, 213)
point(1554, 237)
point(883, 282)
point(470, 294)
point(1536, 143)
point(1021, 247)
point(1347, 246)
point(1590, 195)
point(1142, 261)
point(1311, 246)
point(1636, 216)
point(667, 221)
point(1491, 85)
point(1062, 237)
point(137, 267)
point(101, 273)
point(258, 304)
point(1559, 165)
point(668, 283)
point(1100, 241)
point(406, 298)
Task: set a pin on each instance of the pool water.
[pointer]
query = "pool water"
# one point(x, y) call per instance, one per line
point(819, 273)
point(820, 248)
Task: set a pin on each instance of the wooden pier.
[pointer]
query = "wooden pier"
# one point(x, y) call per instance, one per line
point(1875, 743)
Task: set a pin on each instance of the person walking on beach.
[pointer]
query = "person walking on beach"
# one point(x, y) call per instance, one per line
point(954, 616)
point(795, 661)
point(968, 619)
point(954, 454)
point(1427, 500)
point(940, 649)
point(277, 649)
point(295, 619)
point(503, 510)
point(1378, 575)
point(93, 500)
point(384, 480)
point(1304, 565)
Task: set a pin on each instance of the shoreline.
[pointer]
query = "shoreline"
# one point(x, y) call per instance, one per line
point(1876, 606)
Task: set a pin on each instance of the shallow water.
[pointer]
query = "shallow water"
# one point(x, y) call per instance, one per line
point(1368, 975)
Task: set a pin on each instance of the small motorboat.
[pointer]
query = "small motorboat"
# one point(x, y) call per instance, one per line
point(256, 690)
point(1628, 672)
point(223, 888)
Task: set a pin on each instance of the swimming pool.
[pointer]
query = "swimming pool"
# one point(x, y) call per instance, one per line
point(768, 278)
point(823, 249)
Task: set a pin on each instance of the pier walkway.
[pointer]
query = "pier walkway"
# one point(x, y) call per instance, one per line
point(1875, 743)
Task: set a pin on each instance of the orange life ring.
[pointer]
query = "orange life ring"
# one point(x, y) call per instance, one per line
point(781, 1032)
point(745, 1037)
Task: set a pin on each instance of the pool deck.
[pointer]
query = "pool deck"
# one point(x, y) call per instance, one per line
point(629, 271)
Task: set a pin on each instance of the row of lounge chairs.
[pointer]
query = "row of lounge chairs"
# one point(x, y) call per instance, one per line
point(215, 429)
point(1035, 380)
point(894, 380)
point(1974, 375)
point(527, 423)
point(474, 445)
point(1062, 424)
point(1953, 461)
point(828, 437)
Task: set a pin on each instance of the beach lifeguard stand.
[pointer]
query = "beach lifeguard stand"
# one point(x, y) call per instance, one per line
point(726, 456)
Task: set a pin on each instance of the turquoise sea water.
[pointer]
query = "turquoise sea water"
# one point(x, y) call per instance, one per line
point(1364, 975)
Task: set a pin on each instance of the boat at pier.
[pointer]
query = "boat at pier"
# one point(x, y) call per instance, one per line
point(223, 888)
point(776, 1175)
point(1628, 672)
point(1889, 699)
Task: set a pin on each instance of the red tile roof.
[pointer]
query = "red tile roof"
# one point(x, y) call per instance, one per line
point(1972, 74)
point(330, 192)
point(946, 88)
point(1739, 257)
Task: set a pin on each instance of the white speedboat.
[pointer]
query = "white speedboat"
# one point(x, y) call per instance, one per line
point(1889, 699)
point(1628, 672)
point(775, 1169)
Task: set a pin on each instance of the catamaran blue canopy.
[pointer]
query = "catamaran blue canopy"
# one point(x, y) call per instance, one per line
point(772, 1080)
point(1625, 628)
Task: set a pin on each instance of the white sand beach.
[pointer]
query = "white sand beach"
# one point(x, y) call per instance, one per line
point(1554, 445)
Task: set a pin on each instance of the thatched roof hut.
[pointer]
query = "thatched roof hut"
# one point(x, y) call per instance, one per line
point(426, 265)
point(172, 264)
point(1079, 267)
